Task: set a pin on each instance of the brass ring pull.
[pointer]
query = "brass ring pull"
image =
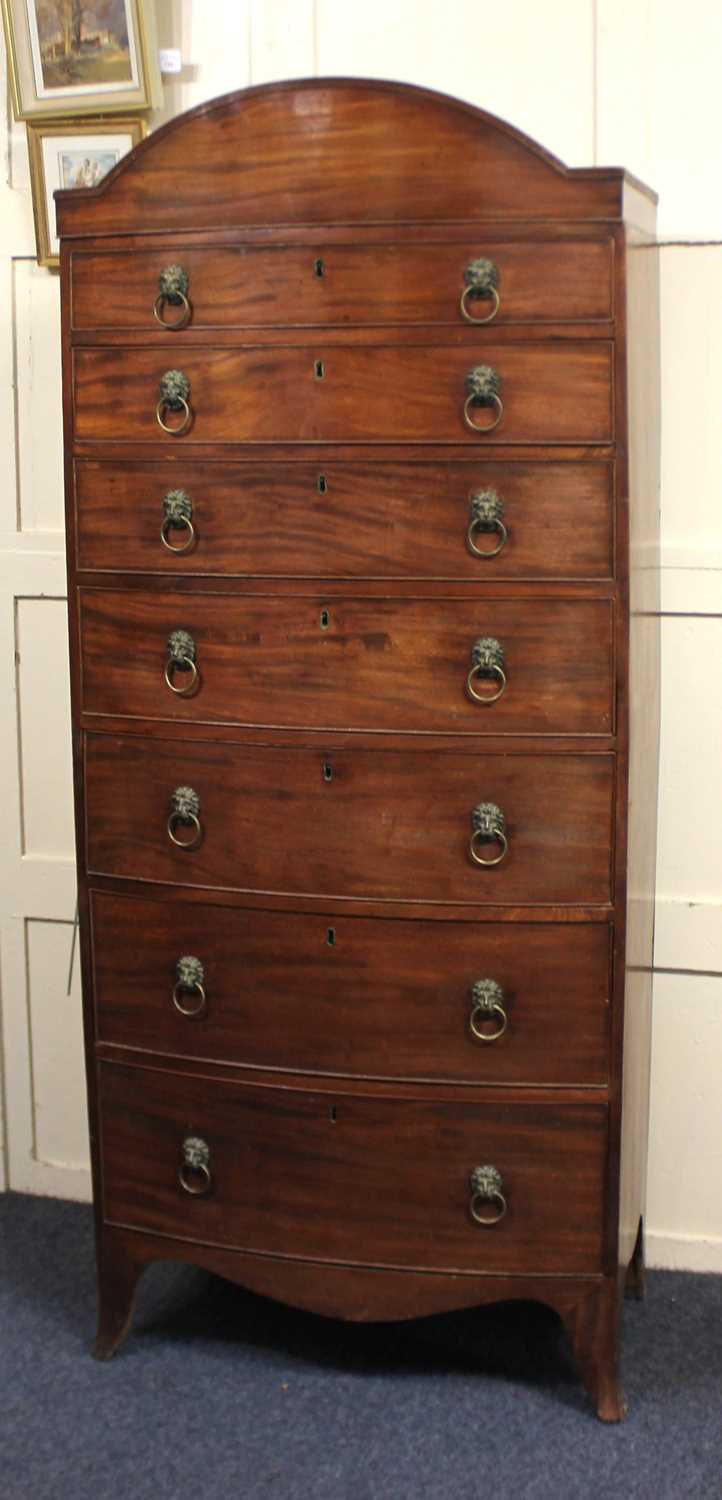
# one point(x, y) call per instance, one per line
point(185, 315)
point(484, 698)
point(185, 808)
point(181, 405)
point(189, 981)
point(192, 821)
point(470, 292)
point(181, 658)
point(482, 279)
point(471, 401)
point(486, 508)
point(194, 1173)
point(189, 1010)
point(196, 1190)
point(482, 389)
point(486, 1187)
point(487, 661)
point(489, 826)
point(487, 1008)
point(188, 526)
point(173, 284)
point(476, 840)
point(178, 515)
point(175, 388)
point(184, 664)
point(477, 551)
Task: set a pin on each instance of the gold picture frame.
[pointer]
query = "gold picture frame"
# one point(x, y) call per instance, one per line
point(65, 62)
point(72, 153)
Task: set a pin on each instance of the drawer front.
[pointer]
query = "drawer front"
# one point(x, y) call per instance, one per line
point(361, 997)
point(385, 520)
point(374, 664)
point(554, 392)
point(358, 824)
point(293, 286)
point(354, 1179)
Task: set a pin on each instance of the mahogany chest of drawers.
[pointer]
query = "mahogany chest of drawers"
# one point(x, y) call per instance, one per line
point(360, 422)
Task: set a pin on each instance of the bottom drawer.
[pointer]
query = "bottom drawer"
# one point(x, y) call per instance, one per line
point(365, 1179)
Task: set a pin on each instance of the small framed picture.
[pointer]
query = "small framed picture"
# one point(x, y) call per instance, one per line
point(72, 154)
point(81, 57)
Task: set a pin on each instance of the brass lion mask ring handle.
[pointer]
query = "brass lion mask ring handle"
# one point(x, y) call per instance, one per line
point(482, 390)
point(175, 389)
point(177, 516)
point(481, 283)
point(486, 1188)
point(488, 827)
point(182, 661)
point(189, 994)
point(173, 292)
point(487, 1011)
point(487, 663)
point(486, 509)
point(185, 807)
point(194, 1172)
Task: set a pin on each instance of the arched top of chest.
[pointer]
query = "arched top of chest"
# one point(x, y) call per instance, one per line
point(334, 151)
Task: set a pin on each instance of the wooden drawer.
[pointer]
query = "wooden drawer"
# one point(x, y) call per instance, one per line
point(373, 664)
point(361, 997)
point(384, 520)
point(366, 1180)
point(302, 286)
point(385, 825)
point(552, 392)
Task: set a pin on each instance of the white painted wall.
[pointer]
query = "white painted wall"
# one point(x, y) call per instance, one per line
point(596, 81)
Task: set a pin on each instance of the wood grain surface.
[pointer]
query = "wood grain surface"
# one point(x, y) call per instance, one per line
point(386, 825)
point(349, 520)
point(358, 997)
point(380, 664)
point(333, 150)
point(553, 392)
point(347, 1178)
point(281, 286)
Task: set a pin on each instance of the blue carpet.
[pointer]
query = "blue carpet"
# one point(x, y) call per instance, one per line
point(220, 1394)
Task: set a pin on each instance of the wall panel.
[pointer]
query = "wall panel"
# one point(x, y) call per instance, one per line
point(531, 64)
point(691, 449)
point(658, 71)
point(685, 1169)
point(39, 412)
point(43, 680)
point(60, 1121)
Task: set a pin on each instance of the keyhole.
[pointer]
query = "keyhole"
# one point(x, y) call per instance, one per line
point(332, 1115)
point(318, 369)
point(321, 484)
point(327, 771)
point(331, 936)
point(324, 619)
point(318, 267)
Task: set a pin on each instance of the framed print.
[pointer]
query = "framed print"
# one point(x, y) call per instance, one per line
point(77, 57)
point(70, 154)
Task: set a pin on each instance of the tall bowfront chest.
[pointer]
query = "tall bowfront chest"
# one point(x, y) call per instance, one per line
point(361, 465)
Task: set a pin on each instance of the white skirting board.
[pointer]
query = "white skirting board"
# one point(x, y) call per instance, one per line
point(683, 1252)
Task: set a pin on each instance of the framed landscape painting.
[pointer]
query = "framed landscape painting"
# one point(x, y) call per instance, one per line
point(73, 57)
point(73, 154)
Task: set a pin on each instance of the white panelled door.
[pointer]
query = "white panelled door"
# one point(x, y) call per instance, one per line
point(46, 1146)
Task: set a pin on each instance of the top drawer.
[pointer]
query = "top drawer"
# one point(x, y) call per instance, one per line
point(339, 285)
